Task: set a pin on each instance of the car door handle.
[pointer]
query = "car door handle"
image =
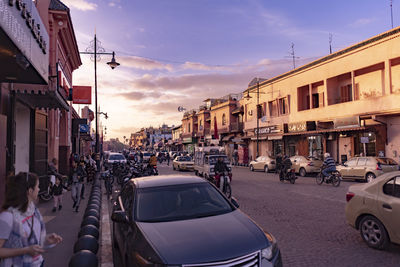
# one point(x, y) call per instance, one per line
point(387, 206)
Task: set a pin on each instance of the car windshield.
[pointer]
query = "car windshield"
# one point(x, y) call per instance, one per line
point(214, 159)
point(116, 157)
point(179, 202)
point(185, 159)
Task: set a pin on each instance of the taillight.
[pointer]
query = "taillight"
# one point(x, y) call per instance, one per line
point(349, 196)
point(378, 167)
point(292, 170)
point(310, 163)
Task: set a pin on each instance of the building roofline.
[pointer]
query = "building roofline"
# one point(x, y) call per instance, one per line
point(330, 56)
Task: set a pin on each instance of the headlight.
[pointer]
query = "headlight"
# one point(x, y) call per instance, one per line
point(269, 252)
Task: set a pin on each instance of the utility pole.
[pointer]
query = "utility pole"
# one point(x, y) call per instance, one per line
point(391, 11)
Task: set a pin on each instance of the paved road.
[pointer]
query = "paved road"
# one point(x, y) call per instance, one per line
point(307, 220)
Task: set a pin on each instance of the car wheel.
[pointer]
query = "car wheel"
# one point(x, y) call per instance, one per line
point(266, 169)
point(369, 177)
point(196, 173)
point(251, 168)
point(374, 233)
point(302, 172)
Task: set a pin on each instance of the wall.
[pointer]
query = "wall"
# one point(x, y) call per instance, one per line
point(396, 79)
point(22, 142)
point(369, 84)
point(345, 147)
point(393, 134)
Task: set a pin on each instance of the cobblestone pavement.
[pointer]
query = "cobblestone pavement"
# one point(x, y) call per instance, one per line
point(307, 219)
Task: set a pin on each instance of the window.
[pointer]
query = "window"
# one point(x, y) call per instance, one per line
point(351, 163)
point(283, 106)
point(200, 123)
point(189, 127)
point(362, 161)
point(392, 187)
point(273, 109)
point(346, 93)
point(223, 119)
point(259, 111)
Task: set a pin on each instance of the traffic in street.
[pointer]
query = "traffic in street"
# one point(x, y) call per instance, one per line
point(307, 220)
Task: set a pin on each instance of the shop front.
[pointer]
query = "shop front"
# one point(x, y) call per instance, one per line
point(299, 139)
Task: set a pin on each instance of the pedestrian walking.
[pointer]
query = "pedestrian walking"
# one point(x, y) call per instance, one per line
point(76, 180)
point(168, 158)
point(57, 190)
point(82, 163)
point(23, 236)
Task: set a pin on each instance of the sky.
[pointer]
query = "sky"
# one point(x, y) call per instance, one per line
point(180, 52)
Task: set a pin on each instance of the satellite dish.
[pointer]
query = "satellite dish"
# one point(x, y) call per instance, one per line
point(180, 108)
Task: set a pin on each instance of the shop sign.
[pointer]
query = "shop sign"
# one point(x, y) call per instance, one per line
point(269, 129)
point(347, 122)
point(301, 126)
point(83, 128)
point(364, 139)
point(187, 140)
point(21, 22)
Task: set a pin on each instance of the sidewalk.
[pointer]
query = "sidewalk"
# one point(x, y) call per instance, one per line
point(65, 223)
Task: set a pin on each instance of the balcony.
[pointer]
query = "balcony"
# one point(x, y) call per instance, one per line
point(203, 132)
point(186, 135)
point(236, 127)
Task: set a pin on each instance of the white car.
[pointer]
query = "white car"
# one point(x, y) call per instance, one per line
point(116, 157)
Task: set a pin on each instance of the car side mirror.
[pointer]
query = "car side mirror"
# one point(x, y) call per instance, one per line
point(235, 202)
point(119, 216)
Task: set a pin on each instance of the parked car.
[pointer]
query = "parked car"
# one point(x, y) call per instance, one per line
point(263, 163)
point(185, 220)
point(183, 163)
point(303, 165)
point(367, 168)
point(116, 157)
point(374, 210)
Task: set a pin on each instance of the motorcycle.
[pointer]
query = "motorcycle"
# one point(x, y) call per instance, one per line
point(334, 178)
point(288, 176)
point(224, 183)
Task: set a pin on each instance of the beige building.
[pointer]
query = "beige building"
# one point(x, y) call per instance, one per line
point(346, 103)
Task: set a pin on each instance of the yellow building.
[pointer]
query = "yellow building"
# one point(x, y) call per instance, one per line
point(346, 103)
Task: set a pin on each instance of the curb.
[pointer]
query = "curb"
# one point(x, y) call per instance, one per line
point(106, 256)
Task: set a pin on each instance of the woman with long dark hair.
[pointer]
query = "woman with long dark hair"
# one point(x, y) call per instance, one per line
point(22, 231)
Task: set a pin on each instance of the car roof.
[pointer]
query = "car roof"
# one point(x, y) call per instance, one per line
point(165, 180)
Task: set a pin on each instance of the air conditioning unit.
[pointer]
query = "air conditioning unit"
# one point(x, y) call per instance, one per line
point(251, 112)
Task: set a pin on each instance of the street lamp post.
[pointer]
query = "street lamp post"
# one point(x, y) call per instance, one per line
point(95, 49)
point(257, 109)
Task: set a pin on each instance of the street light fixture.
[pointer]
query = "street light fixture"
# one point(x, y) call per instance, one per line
point(257, 115)
point(95, 50)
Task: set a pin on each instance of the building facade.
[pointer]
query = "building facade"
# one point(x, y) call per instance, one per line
point(345, 103)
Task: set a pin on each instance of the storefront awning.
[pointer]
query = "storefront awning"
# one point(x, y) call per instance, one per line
point(43, 99)
point(259, 138)
point(227, 138)
point(328, 131)
point(275, 137)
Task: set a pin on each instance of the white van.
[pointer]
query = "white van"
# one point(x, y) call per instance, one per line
point(205, 159)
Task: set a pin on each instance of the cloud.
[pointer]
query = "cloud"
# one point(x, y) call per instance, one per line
point(143, 63)
point(82, 5)
point(362, 22)
point(140, 95)
point(200, 66)
point(111, 4)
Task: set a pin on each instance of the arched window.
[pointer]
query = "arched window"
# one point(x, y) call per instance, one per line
point(223, 119)
point(189, 127)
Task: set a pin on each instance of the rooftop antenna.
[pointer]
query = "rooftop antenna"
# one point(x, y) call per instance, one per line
point(330, 43)
point(391, 11)
point(293, 56)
